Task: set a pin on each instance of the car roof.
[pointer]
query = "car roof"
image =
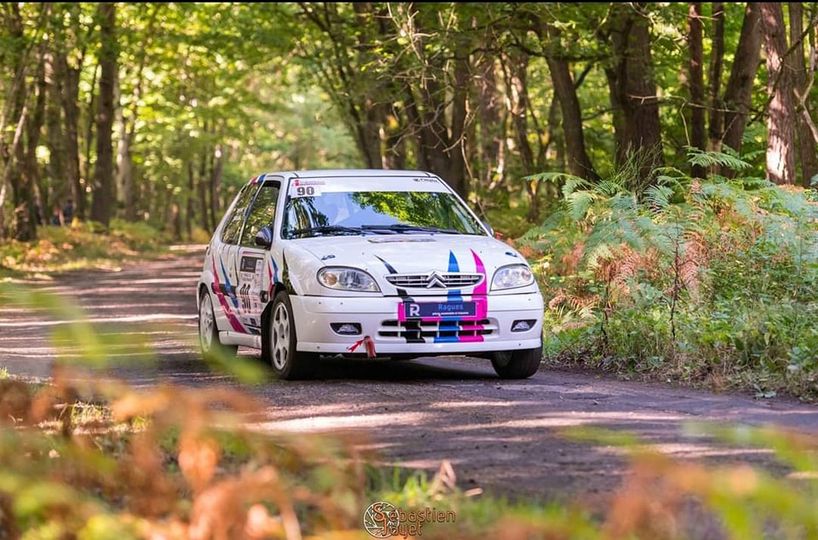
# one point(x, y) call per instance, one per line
point(342, 173)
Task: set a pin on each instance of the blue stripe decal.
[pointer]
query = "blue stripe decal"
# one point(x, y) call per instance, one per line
point(452, 296)
point(228, 287)
point(454, 267)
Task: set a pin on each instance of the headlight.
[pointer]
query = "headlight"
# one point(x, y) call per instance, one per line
point(511, 277)
point(347, 279)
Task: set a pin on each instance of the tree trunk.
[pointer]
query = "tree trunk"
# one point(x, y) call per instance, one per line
point(742, 74)
point(807, 149)
point(490, 127)
point(203, 190)
point(457, 163)
point(101, 208)
point(216, 180)
point(89, 131)
point(70, 100)
point(636, 88)
point(620, 141)
point(55, 135)
point(579, 164)
point(191, 195)
point(698, 136)
point(29, 211)
point(12, 149)
point(780, 85)
point(716, 128)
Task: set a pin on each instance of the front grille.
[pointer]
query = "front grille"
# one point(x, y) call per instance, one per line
point(414, 330)
point(448, 280)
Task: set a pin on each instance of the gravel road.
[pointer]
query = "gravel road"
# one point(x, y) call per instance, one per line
point(503, 436)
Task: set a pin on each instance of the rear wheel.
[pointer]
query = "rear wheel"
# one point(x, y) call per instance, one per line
point(520, 364)
point(280, 341)
point(209, 332)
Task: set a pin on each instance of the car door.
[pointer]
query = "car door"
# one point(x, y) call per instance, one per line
point(252, 259)
point(225, 269)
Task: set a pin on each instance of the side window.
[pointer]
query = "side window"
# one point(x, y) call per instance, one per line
point(262, 214)
point(231, 231)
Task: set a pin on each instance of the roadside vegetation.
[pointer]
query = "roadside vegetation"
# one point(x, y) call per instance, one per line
point(86, 456)
point(695, 280)
point(81, 246)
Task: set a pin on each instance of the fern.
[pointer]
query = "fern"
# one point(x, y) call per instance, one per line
point(658, 197)
point(724, 159)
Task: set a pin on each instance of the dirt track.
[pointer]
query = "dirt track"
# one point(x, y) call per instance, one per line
point(502, 436)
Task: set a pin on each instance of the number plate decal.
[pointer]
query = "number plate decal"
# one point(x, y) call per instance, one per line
point(306, 188)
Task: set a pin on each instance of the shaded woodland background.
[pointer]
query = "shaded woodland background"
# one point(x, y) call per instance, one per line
point(156, 112)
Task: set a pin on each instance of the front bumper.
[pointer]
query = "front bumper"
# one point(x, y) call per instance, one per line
point(378, 318)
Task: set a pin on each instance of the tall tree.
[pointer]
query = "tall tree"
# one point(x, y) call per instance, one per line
point(576, 156)
point(23, 118)
point(633, 87)
point(103, 202)
point(698, 135)
point(716, 125)
point(781, 146)
point(739, 87)
point(804, 79)
point(69, 66)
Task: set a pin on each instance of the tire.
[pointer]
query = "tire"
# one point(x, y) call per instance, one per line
point(520, 364)
point(209, 332)
point(279, 342)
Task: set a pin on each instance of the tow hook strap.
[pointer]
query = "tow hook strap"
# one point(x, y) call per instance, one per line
point(368, 343)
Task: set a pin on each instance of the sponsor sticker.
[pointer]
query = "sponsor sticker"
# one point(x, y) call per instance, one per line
point(306, 188)
point(439, 309)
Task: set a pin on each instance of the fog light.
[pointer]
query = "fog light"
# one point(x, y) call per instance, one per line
point(346, 329)
point(522, 326)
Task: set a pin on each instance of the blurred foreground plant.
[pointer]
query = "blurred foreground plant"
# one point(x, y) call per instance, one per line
point(168, 462)
point(92, 458)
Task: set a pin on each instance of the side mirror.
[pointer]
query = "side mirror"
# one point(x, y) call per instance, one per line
point(264, 238)
point(489, 227)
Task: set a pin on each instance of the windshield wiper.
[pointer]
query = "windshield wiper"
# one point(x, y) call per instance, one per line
point(404, 227)
point(327, 230)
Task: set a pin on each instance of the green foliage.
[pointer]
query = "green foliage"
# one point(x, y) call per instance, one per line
point(695, 279)
point(728, 159)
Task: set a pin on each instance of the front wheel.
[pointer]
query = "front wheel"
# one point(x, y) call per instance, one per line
point(209, 332)
point(520, 364)
point(280, 341)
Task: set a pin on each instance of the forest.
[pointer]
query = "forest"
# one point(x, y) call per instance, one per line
point(156, 112)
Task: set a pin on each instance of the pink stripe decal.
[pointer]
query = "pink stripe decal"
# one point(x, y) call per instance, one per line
point(481, 301)
point(231, 317)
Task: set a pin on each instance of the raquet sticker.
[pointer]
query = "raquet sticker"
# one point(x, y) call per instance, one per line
point(306, 188)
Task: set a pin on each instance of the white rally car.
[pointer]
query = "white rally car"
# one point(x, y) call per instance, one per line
point(369, 263)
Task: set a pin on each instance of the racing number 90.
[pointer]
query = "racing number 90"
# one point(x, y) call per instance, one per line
point(305, 191)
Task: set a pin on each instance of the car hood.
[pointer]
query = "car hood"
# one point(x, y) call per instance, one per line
point(381, 255)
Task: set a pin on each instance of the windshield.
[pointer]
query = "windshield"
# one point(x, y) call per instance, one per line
point(377, 212)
